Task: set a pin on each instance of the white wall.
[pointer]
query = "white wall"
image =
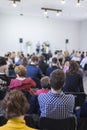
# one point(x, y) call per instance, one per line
point(83, 35)
point(37, 29)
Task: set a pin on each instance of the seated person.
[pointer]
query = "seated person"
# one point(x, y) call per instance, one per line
point(74, 79)
point(42, 64)
point(3, 66)
point(55, 65)
point(33, 70)
point(55, 104)
point(4, 71)
point(45, 84)
point(15, 105)
point(83, 109)
point(66, 66)
point(21, 82)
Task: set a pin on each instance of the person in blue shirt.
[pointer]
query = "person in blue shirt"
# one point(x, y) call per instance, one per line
point(33, 70)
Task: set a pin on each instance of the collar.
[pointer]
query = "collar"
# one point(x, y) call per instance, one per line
point(56, 94)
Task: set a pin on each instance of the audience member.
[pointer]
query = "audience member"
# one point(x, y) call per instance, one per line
point(21, 82)
point(25, 61)
point(11, 70)
point(32, 70)
point(66, 66)
point(15, 105)
point(53, 67)
point(83, 109)
point(74, 79)
point(45, 84)
point(4, 81)
point(83, 63)
point(55, 104)
point(42, 65)
point(3, 66)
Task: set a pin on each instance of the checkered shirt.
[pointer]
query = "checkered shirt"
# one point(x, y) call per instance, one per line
point(56, 106)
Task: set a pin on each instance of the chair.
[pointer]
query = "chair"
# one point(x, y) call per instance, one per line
point(3, 120)
point(82, 124)
point(79, 97)
point(57, 124)
point(30, 121)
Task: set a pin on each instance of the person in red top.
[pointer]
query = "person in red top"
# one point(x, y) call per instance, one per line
point(21, 82)
point(45, 84)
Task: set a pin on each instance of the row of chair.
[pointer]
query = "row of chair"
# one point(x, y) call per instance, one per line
point(54, 124)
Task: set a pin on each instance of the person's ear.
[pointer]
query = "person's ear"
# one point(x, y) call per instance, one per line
point(63, 85)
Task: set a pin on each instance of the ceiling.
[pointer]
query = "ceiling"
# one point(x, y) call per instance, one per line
point(33, 8)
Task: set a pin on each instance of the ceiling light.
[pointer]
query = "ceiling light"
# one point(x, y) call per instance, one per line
point(51, 9)
point(78, 3)
point(14, 2)
point(57, 13)
point(63, 1)
point(45, 12)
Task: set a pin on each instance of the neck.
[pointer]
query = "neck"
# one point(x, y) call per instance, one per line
point(53, 64)
point(20, 78)
point(19, 117)
point(55, 91)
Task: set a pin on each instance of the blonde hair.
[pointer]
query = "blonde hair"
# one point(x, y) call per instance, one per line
point(20, 70)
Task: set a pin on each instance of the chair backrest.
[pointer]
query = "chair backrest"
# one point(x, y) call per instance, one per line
point(32, 121)
point(57, 124)
point(82, 124)
point(29, 121)
point(79, 97)
point(3, 120)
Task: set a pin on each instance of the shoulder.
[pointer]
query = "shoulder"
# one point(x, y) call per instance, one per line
point(69, 97)
point(14, 80)
point(42, 96)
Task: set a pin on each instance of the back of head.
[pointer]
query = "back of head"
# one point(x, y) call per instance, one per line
point(20, 70)
point(54, 60)
point(15, 104)
point(24, 61)
point(45, 82)
point(73, 67)
point(57, 79)
point(34, 58)
point(2, 61)
point(42, 58)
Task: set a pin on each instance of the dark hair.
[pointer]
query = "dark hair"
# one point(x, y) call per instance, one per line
point(73, 67)
point(15, 104)
point(24, 61)
point(57, 79)
point(34, 58)
point(54, 60)
point(42, 57)
point(45, 82)
point(2, 61)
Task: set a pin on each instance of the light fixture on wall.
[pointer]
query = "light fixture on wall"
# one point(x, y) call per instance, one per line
point(14, 2)
point(58, 11)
